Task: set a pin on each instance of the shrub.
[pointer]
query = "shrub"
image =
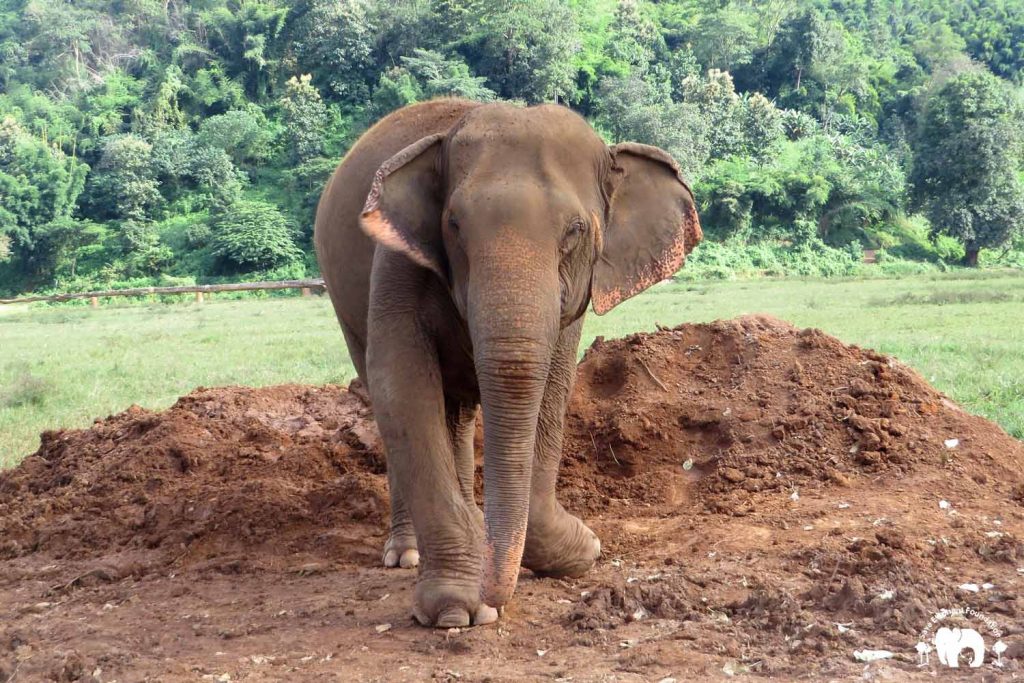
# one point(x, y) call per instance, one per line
point(197, 235)
point(809, 257)
point(142, 250)
point(25, 389)
point(251, 235)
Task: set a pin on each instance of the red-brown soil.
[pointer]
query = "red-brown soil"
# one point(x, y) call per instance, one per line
point(768, 500)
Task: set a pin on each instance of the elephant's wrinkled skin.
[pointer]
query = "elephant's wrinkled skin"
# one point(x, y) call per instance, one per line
point(461, 244)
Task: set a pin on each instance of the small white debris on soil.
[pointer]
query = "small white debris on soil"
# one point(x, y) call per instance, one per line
point(381, 628)
point(733, 668)
point(541, 653)
point(969, 587)
point(871, 655)
point(951, 443)
point(667, 680)
point(795, 496)
point(887, 594)
point(843, 506)
point(843, 628)
point(988, 586)
point(944, 505)
point(563, 601)
point(688, 464)
point(994, 534)
point(809, 527)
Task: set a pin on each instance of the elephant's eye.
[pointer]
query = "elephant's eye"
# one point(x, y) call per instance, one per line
point(572, 234)
point(453, 225)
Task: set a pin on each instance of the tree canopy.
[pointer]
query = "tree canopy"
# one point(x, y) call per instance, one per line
point(157, 139)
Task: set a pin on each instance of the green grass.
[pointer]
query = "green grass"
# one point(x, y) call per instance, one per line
point(64, 366)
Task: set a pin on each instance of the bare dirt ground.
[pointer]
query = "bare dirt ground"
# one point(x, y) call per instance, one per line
point(769, 500)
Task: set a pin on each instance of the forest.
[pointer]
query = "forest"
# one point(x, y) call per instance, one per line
point(172, 142)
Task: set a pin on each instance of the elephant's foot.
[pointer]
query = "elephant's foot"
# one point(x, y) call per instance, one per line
point(559, 544)
point(401, 550)
point(451, 603)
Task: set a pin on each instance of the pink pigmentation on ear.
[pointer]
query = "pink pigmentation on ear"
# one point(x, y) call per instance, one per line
point(694, 233)
point(380, 229)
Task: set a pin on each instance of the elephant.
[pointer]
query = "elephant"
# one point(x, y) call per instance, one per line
point(461, 244)
point(949, 643)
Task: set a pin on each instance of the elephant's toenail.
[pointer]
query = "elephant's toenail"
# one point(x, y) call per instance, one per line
point(410, 558)
point(485, 614)
point(453, 617)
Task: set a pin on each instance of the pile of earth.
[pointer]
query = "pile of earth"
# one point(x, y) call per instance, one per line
point(769, 500)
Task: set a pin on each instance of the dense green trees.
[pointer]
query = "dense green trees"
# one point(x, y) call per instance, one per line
point(39, 188)
point(249, 235)
point(967, 162)
point(192, 139)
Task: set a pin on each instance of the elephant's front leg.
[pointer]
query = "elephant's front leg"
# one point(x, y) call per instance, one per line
point(405, 387)
point(557, 543)
point(400, 549)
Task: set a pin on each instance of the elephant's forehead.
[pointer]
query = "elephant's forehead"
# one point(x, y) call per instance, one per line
point(539, 135)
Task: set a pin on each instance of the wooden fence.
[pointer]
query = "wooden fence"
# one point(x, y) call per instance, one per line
point(307, 287)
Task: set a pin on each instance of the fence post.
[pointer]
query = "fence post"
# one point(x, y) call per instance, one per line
point(94, 301)
point(199, 297)
point(305, 291)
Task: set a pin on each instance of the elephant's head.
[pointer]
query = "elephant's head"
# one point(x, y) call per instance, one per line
point(527, 216)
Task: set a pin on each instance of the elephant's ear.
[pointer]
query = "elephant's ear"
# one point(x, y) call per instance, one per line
point(651, 225)
point(403, 209)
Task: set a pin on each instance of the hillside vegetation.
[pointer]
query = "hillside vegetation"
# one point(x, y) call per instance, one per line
point(172, 141)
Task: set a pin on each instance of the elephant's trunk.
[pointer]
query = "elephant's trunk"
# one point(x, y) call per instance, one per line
point(514, 328)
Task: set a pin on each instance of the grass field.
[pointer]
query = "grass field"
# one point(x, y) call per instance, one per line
point(64, 366)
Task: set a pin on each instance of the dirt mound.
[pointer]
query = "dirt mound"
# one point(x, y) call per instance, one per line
point(755, 406)
point(769, 499)
point(223, 471)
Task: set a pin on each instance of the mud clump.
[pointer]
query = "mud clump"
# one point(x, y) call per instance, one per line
point(769, 499)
